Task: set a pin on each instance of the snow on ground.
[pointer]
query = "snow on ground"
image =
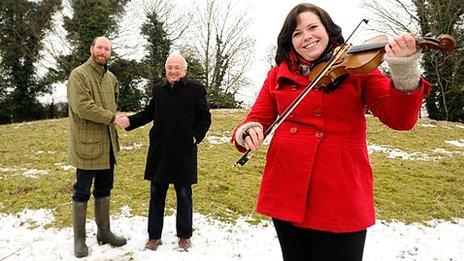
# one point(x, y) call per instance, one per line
point(30, 173)
point(427, 125)
point(392, 153)
point(458, 143)
point(218, 139)
point(132, 146)
point(23, 237)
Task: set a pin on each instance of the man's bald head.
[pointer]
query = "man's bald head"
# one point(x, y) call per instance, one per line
point(100, 38)
point(101, 50)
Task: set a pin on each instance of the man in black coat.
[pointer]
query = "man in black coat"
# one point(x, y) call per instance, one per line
point(181, 118)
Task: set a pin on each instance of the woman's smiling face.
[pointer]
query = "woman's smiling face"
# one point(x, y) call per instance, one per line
point(310, 37)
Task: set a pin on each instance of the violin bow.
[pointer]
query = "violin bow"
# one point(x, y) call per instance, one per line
point(281, 118)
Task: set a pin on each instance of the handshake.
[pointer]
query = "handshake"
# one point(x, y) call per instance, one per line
point(121, 121)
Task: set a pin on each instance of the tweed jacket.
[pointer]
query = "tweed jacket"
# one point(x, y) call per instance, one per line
point(92, 95)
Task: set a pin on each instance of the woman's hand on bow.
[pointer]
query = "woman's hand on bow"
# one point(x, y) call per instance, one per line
point(253, 138)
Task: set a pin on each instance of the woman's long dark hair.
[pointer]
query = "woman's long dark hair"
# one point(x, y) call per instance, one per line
point(284, 40)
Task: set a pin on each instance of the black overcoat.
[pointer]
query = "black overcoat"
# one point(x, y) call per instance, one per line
point(180, 115)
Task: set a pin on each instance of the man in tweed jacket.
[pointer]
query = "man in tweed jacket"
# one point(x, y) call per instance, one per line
point(93, 142)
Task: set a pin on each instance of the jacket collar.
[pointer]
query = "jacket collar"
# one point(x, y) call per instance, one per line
point(101, 70)
point(286, 75)
point(183, 82)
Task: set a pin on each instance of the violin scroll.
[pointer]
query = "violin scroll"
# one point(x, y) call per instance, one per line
point(445, 43)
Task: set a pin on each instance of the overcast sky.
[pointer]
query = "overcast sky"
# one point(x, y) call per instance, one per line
point(266, 16)
point(267, 19)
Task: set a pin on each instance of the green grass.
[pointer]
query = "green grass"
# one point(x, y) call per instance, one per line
point(406, 190)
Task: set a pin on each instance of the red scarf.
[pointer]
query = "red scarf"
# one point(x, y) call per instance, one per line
point(297, 63)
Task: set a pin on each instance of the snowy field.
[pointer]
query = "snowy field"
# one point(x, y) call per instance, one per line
point(23, 237)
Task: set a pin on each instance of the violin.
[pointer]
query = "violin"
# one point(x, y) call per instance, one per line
point(364, 58)
point(348, 59)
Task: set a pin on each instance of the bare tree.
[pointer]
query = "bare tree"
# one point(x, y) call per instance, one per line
point(270, 55)
point(222, 44)
point(444, 71)
point(393, 16)
point(125, 44)
point(175, 20)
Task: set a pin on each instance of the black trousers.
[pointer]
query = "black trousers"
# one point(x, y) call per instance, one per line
point(156, 211)
point(103, 184)
point(312, 245)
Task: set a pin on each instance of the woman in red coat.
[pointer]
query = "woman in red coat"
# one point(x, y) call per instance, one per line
point(317, 184)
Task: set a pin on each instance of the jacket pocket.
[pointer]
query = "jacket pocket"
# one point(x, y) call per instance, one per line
point(89, 147)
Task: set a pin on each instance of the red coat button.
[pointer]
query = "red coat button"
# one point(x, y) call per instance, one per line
point(318, 113)
point(293, 130)
point(319, 134)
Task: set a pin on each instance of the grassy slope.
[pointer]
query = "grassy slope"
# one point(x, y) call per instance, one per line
point(405, 190)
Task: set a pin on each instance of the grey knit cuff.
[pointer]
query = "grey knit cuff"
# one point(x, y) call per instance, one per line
point(405, 71)
point(239, 133)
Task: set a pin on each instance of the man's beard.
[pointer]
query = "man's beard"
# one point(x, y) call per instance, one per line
point(101, 60)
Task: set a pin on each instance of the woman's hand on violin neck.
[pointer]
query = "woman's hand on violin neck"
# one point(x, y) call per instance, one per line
point(254, 138)
point(401, 46)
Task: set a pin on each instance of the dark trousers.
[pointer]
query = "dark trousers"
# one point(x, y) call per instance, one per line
point(156, 211)
point(312, 245)
point(103, 184)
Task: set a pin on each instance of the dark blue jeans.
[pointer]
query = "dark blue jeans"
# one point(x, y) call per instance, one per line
point(156, 211)
point(103, 184)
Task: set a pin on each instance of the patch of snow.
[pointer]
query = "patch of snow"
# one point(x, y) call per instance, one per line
point(9, 169)
point(397, 153)
point(447, 153)
point(437, 240)
point(34, 173)
point(458, 143)
point(64, 166)
point(24, 237)
point(427, 125)
point(133, 146)
point(218, 139)
point(30, 173)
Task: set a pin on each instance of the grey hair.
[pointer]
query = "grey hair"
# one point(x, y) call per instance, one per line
point(176, 54)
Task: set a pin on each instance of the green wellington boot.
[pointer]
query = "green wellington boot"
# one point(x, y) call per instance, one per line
point(79, 211)
point(102, 218)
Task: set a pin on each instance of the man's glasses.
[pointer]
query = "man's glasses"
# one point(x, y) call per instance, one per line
point(174, 68)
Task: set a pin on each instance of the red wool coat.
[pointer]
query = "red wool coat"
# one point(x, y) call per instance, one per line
point(317, 173)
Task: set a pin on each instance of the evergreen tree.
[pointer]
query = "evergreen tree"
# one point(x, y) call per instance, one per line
point(99, 18)
point(195, 70)
point(158, 50)
point(129, 78)
point(23, 25)
point(90, 19)
point(444, 71)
